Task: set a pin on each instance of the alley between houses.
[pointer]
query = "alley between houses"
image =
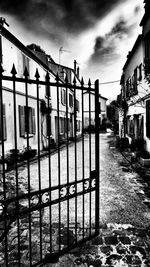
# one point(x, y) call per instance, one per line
point(120, 204)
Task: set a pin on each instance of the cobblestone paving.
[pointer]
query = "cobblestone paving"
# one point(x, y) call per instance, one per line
point(117, 245)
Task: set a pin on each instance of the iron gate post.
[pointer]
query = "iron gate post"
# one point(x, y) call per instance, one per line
point(97, 155)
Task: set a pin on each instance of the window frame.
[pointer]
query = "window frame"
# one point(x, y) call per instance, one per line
point(27, 124)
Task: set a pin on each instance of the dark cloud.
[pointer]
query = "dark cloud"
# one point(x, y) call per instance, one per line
point(106, 47)
point(137, 10)
point(120, 28)
point(55, 16)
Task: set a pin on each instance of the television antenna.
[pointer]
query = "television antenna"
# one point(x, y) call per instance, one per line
point(61, 50)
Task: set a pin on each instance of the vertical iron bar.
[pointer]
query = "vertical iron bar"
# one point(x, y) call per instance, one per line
point(3, 165)
point(28, 164)
point(59, 179)
point(67, 151)
point(49, 158)
point(75, 151)
point(39, 163)
point(83, 208)
point(97, 204)
point(16, 167)
point(90, 154)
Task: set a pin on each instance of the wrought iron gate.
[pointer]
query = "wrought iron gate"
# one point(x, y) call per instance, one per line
point(49, 193)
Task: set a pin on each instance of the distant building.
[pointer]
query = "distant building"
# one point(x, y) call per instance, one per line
point(89, 105)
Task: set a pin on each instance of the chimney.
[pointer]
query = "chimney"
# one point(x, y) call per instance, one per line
point(75, 66)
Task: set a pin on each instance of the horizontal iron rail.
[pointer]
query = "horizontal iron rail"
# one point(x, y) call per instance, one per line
point(55, 84)
point(38, 206)
point(42, 191)
point(14, 215)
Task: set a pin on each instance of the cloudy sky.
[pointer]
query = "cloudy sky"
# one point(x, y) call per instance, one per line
point(97, 33)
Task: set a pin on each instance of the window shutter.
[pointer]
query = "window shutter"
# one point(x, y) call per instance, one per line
point(22, 121)
point(30, 122)
point(33, 121)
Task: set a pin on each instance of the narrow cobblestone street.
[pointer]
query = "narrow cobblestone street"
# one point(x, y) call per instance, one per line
point(124, 238)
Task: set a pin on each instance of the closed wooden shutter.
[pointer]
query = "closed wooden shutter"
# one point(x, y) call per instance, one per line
point(22, 120)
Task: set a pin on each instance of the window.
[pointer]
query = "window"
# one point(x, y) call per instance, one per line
point(3, 120)
point(148, 118)
point(66, 124)
point(63, 96)
point(70, 100)
point(61, 125)
point(27, 121)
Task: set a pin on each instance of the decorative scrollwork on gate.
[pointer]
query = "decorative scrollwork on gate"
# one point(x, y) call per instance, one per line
point(39, 200)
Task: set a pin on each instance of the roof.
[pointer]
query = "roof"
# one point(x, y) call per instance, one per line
point(131, 53)
point(28, 52)
point(147, 11)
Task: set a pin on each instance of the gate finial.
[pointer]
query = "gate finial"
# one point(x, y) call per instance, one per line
point(89, 83)
point(57, 77)
point(37, 75)
point(26, 73)
point(82, 81)
point(47, 76)
point(74, 80)
point(66, 78)
point(13, 71)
